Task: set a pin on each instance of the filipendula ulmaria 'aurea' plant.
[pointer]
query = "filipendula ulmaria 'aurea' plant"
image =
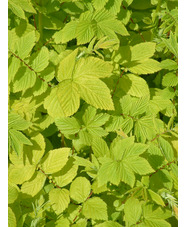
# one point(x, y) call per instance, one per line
point(93, 113)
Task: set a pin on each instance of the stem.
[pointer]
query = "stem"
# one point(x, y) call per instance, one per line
point(63, 143)
point(35, 22)
point(163, 167)
point(81, 209)
point(134, 23)
point(30, 68)
point(57, 186)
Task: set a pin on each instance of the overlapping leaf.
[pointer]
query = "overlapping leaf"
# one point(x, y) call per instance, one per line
point(137, 59)
point(99, 23)
point(64, 99)
point(123, 163)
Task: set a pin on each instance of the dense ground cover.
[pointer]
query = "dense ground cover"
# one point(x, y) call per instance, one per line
point(93, 88)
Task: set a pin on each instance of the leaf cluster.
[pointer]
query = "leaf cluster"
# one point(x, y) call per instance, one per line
point(93, 102)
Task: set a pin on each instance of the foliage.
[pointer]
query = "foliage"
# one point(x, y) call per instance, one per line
point(93, 89)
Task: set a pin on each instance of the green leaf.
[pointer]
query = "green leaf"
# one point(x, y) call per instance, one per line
point(162, 179)
point(134, 85)
point(82, 162)
point(13, 66)
point(25, 5)
point(127, 3)
point(84, 138)
point(166, 149)
point(68, 125)
point(92, 67)
point(24, 79)
point(99, 5)
point(154, 156)
point(95, 93)
point(170, 80)
point(108, 24)
point(127, 126)
point(132, 211)
point(99, 147)
point(169, 64)
point(13, 192)
point(144, 129)
point(139, 106)
point(114, 123)
point(11, 218)
point(89, 116)
point(93, 122)
point(62, 222)
point(172, 44)
point(126, 104)
point(104, 43)
point(35, 153)
point(115, 172)
point(148, 66)
point(20, 173)
point(64, 100)
point(98, 190)
point(84, 30)
point(25, 44)
point(80, 223)
point(66, 66)
point(157, 222)
point(137, 58)
point(40, 60)
point(16, 9)
point(34, 185)
point(139, 165)
point(55, 160)
point(67, 33)
point(119, 148)
point(67, 174)
point(95, 208)
point(113, 7)
point(15, 121)
point(80, 189)
point(31, 154)
point(142, 51)
point(59, 199)
point(17, 139)
point(156, 198)
point(109, 224)
point(154, 217)
point(151, 211)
